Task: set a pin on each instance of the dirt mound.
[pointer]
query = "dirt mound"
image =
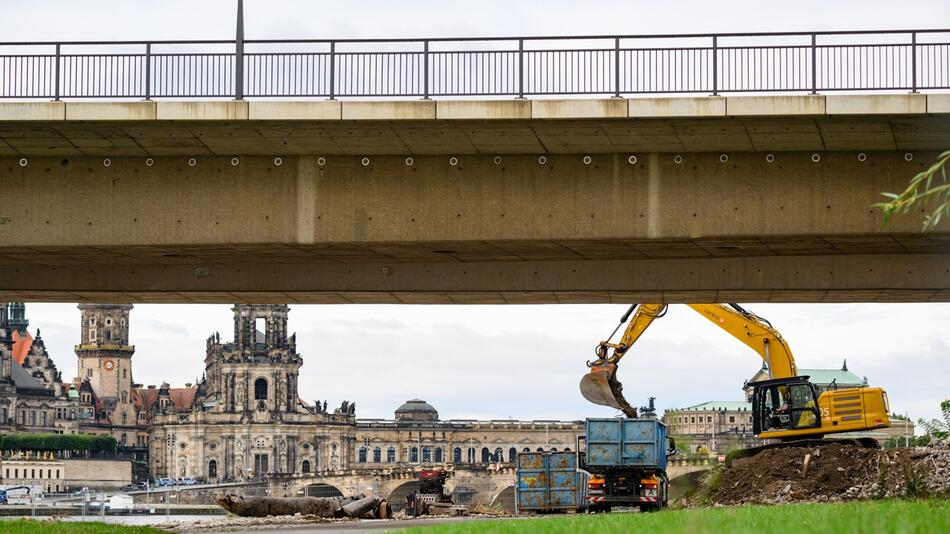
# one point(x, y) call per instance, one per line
point(833, 472)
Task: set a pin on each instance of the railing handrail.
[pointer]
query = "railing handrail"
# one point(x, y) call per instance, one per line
point(480, 38)
point(608, 65)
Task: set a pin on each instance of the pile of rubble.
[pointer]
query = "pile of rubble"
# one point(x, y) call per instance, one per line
point(834, 472)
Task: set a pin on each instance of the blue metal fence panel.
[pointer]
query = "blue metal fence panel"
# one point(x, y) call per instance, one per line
point(549, 481)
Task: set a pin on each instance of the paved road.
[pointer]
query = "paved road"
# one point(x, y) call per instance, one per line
point(345, 527)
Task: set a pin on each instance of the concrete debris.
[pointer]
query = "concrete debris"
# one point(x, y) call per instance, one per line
point(835, 472)
point(325, 507)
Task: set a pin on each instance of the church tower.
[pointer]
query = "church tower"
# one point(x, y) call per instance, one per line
point(105, 358)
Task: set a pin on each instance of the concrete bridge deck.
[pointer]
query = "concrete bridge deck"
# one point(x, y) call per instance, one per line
point(612, 200)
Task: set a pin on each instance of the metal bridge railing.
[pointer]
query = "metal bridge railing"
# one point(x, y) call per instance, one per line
point(485, 67)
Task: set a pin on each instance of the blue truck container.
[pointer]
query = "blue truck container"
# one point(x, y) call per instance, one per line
point(626, 459)
point(626, 442)
point(550, 482)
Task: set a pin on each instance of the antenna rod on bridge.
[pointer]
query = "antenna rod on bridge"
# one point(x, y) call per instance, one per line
point(239, 54)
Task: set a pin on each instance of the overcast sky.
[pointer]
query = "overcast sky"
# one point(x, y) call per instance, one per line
point(511, 361)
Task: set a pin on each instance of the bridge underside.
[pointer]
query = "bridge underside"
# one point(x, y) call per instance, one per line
point(769, 209)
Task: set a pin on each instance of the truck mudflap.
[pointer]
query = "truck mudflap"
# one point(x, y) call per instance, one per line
point(620, 500)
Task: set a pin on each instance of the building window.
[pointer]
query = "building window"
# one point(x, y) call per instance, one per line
point(92, 334)
point(709, 419)
point(391, 455)
point(692, 419)
point(486, 456)
point(123, 438)
point(362, 455)
point(512, 454)
point(123, 376)
point(261, 443)
point(457, 455)
point(426, 455)
point(57, 473)
point(260, 389)
point(526, 449)
point(108, 335)
point(471, 455)
point(123, 415)
point(32, 417)
point(414, 455)
point(438, 455)
point(42, 418)
point(89, 372)
point(498, 457)
point(260, 463)
point(305, 466)
point(732, 419)
point(377, 455)
point(213, 468)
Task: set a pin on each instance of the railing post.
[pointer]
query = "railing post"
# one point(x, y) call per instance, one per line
point(425, 70)
point(239, 54)
point(814, 66)
point(617, 67)
point(332, 70)
point(715, 68)
point(56, 78)
point(520, 68)
point(913, 61)
point(148, 71)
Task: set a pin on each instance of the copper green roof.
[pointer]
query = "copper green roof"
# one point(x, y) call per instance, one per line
point(718, 406)
point(823, 377)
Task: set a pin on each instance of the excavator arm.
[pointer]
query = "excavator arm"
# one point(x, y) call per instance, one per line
point(601, 386)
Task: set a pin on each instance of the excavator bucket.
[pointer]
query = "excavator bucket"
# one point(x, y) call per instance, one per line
point(601, 386)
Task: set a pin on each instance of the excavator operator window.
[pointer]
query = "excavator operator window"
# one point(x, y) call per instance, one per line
point(788, 407)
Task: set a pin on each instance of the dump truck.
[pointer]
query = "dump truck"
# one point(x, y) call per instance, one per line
point(625, 460)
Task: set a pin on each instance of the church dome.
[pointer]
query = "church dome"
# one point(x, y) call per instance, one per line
point(416, 410)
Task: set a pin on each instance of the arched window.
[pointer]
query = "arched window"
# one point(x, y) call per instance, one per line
point(471, 455)
point(122, 439)
point(414, 454)
point(512, 454)
point(123, 418)
point(362, 458)
point(212, 469)
point(260, 389)
point(391, 455)
point(427, 455)
point(438, 455)
point(553, 449)
point(457, 455)
point(377, 454)
point(540, 449)
point(305, 466)
point(567, 449)
point(486, 456)
point(526, 449)
point(125, 395)
point(498, 456)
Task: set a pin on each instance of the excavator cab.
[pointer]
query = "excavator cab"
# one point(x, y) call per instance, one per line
point(784, 404)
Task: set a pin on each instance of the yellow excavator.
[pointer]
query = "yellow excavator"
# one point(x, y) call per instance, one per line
point(785, 407)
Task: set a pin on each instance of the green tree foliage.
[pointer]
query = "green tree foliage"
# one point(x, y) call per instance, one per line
point(929, 188)
point(935, 427)
point(57, 442)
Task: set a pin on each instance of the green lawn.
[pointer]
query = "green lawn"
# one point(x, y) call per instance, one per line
point(870, 517)
point(26, 526)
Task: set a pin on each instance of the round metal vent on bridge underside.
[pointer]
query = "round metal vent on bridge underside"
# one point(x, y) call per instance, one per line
point(723, 158)
point(862, 156)
point(816, 157)
point(410, 162)
point(278, 162)
point(107, 162)
point(192, 162)
point(542, 160)
point(235, 162)
point(321, 161)
point(497, 160)
point(23, 162)
point(769, 158)
point(632, 160)
point(365, 162)
point(587, 160)
point(453, 161)
point(908, 156)
point(149, 162)
point(677, 159)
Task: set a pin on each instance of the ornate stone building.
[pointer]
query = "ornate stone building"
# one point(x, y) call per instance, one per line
point(416, 436)
point(245, 418)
